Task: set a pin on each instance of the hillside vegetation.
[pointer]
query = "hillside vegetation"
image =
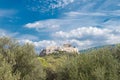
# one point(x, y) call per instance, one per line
point(20, 62)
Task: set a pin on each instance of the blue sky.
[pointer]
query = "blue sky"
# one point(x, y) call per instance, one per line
point(83, 23)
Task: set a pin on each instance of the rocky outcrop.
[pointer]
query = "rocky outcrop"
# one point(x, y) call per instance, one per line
point(53, 49)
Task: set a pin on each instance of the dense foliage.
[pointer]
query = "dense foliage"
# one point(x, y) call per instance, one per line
point(20, 62)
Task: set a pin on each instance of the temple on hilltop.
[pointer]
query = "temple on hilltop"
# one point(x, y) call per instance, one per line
point(68, 48)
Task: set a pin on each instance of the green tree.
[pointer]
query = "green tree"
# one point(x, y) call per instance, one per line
point(21, 59)
point(95, 65)
point(6, 70)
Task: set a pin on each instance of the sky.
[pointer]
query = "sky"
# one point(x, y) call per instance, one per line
point(82, 23)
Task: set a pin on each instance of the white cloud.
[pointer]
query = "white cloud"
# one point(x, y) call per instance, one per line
point(112, 24)
point(44, 25)
point(82, 44)
point(69, 28)
point(61, 3)
point(53, 25)
point(85, 37)
point(18, 36)
point(44, 43)
point(83, 32)
point(73, 14)
point(3, 33)
point(113, 39)
point(7, 33)
point(40, 44)
point(82, 37)
point(47, 5)
point(6, 13)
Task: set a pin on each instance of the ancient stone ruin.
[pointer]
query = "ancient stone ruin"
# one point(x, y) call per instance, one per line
point(68, 48)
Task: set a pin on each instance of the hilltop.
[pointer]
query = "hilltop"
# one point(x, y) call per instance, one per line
point(67, 48)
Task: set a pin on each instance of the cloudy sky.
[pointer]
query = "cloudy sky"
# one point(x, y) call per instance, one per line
point(83, 23)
